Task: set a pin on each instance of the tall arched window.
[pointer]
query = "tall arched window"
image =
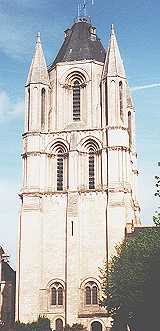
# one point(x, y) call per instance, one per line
point(121, 99)
point(59, 324)
point(58, 165)
point(91, 169)
point(76, 101)
point(91, 293)
point(57, 295)
point(43, 104)
point(60, 160)
point(91, 176)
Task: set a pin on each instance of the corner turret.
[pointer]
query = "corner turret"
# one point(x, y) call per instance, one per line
point(37, 91)
point(38, 72)
point(113, 66)
point(114, 86)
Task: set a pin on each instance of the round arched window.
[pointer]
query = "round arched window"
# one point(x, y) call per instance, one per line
point(60, 166)
point(76, 101)
point(91, 293)
point(91, 168)
point(57, 292)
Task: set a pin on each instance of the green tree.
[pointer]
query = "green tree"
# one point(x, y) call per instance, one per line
point(42, 324)
point(131, 283)
point(75, 327)
point(156, 216)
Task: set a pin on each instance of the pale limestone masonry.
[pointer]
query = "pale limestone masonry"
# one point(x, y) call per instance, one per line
point(66, 235)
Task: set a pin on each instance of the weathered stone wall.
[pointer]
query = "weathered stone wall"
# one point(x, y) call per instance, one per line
point(65, 236)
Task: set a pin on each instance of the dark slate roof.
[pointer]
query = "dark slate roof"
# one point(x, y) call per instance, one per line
point(81, 43)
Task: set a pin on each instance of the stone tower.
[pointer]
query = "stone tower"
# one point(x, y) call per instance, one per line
point(79, 178)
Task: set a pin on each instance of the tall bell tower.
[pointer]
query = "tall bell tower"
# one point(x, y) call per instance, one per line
point(79, 178)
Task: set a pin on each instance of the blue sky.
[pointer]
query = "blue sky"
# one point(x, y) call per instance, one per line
point(138, 27)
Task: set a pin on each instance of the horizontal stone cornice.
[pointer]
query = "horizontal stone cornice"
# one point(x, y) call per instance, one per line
point(98, 151)
point(119, 188)
point(39, 133)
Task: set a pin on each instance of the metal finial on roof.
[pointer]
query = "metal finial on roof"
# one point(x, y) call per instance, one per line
point(82, 8)
point(38, 40)
point(112, 28)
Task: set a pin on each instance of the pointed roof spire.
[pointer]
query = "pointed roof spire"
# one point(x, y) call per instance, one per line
point(38, 72)
point(113, 64)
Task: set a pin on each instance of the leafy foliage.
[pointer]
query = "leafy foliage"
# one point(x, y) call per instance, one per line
point(75, 327)
point(156, 217)
point(42, 324)
point(131, 283)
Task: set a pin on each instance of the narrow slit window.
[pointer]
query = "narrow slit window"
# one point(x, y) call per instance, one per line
point(91, 169)
point(72, 228)
point(76, 101)
point(29, 99)
point(121, 100)
point(129, 128)
point(43, 101)
point(60, 166)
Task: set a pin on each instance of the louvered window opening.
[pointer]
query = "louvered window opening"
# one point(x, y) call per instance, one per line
point(59, 171)
point(91, 170)
point(76, 101)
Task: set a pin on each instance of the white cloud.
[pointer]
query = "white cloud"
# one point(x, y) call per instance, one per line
point(8, 109)
point(143, 87)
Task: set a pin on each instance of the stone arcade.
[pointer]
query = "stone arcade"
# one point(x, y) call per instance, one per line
point(79, 178)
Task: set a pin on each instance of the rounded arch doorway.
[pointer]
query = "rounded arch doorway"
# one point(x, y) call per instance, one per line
point(59, 325)
point(96, 326)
